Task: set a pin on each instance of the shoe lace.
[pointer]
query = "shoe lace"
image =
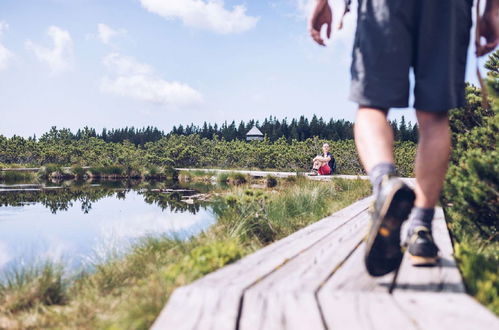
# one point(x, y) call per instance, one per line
point(421, 232)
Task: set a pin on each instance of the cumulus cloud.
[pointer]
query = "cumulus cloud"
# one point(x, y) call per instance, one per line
point(5, 54)
point(106, 33)
point(58, 57)
point(138, 81)
point(210, 15)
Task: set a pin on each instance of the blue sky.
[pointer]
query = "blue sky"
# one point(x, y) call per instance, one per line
point(116, 63)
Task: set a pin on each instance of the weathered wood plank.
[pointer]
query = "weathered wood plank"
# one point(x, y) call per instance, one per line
point(278, 174)
point(352, 276)
point(363, 310)
point(445, 310)
point(222, 290)
point(287, 296)
point(444, 277)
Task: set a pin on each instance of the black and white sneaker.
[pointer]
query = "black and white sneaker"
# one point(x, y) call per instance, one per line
point(422, 249)
point(390, 209)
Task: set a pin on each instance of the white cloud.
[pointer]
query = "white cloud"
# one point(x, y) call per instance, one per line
point(106, 33)
point(305, 7)
point(139, 81)
point(210, 14)
point(59, 56)
point(5, 54)
point(4, 255)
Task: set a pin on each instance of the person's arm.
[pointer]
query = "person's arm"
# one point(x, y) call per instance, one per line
point(322, 14)
point(489, 27)
point(324, 159)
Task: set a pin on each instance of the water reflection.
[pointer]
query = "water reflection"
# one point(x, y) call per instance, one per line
point(78, 222)
point(62, 197)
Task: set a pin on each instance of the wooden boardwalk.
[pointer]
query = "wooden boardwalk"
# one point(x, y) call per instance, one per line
point(315, 279)
point(277, 174)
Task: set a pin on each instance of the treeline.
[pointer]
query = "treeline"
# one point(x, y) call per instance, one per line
point(297, 129)
point(187, 151)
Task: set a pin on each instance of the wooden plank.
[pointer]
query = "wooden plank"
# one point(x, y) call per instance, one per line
point(280, 310)
point(363, 310)
point(278, 299)
point(404, 310)
point(456, 311)
point(200, 307)
point(352, 276)
point(443, 277)
point(278, 174)
point(410, 181)
point(230, 282)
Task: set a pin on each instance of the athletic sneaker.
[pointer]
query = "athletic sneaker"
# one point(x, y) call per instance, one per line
point(389, 210)
point(422, 249)
point(314, 172)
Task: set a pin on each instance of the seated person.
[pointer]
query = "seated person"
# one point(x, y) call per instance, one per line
point(324, 164)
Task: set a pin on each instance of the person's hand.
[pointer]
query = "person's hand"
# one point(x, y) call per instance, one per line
point(489, 29)
point(321, 15)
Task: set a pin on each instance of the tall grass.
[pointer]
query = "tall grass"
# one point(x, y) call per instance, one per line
point(129, 292)
point(22, 289)
point(17, 176)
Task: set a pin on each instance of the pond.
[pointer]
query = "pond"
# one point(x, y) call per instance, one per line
point(82, 224)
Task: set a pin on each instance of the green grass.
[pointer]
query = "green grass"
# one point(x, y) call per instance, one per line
point(232, 177)
point(128, 293)
point(35, 285)
point(477, 259)
point(478, 263)
point(16, 176)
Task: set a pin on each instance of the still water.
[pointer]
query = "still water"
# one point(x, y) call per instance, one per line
point(81, 225)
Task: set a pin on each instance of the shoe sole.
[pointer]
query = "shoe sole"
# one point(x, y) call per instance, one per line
point(385, 232)
point(419, 261)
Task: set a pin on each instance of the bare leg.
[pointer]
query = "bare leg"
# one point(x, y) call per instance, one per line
point(432, 157)
point(373, 137)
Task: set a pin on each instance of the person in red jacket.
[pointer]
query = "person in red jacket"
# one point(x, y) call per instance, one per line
point(394, 36)
point(323, 164)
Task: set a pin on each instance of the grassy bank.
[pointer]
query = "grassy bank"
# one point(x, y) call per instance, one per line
point(76, 172)
point(129, 292)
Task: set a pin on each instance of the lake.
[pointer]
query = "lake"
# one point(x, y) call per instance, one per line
point(82, 224)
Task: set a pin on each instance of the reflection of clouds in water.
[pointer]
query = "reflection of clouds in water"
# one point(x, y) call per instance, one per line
point(116, 238)
point(4, 254)
point(31, 234)
point(56, 249)
point(44, 249)
point(151, 223)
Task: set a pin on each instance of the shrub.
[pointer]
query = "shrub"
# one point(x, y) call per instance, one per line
point(78, 171)
point(470, 195)
point(270, 181)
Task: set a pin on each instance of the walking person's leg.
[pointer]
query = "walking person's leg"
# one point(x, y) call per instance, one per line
point(432, 157)
point(393, 200)
point(431, 165)
point(374, 142)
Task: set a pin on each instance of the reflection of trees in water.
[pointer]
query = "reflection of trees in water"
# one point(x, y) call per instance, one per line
point(171, 201)
point(57, 200)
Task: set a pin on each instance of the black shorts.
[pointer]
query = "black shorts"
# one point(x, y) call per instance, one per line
point(431, 36)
